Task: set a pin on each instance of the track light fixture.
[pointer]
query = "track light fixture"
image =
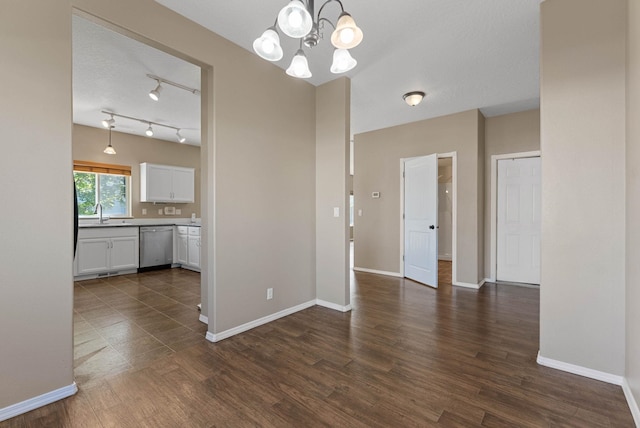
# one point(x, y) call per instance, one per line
point(154, 94)
point(108, 123)
point(109, 149)
point(150, 125)
point(299, 21)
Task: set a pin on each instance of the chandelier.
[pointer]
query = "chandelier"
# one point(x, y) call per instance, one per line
point(299, 21)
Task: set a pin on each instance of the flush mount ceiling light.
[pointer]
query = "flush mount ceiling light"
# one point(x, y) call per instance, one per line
point(108, 123)
point(413, 98)
point(109, 149)
point(154, 94)
point(299, 21)
point(149, 130)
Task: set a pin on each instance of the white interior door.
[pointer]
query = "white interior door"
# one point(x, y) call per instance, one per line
point(518, 239)
point(420, 219)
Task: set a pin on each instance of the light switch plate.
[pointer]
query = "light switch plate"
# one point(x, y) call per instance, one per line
point(336, 211)
point(144, 211)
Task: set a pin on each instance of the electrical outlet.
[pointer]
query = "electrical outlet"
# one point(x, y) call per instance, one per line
point(160, 211)
point(178, 211)
point(144, 211)
point(269, 293)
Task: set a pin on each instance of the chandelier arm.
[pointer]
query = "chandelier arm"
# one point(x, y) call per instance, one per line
point(326, 20)
point(326, 3)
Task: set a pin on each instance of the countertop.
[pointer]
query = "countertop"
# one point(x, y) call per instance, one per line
point(82, 224)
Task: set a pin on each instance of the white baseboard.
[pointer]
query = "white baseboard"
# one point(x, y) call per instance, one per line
point(579, 370)
point(203, 319)
point(469, 285)
point(378, 272)
point(490, 280)
point(39, 401)
point(333, 306)
point(631, 401)
point(216, 337)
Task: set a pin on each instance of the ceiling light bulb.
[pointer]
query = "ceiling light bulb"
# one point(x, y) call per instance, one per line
point(155, 93)
point(149, 131)
point(108, 122)
point(413, 98)
point(181, 139)
point(268, 45)
point(295, 20)
point(347, 34)
point(299, 66)
point(342, 61)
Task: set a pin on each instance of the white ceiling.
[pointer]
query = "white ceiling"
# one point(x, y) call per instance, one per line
point(464, 54)
point(110, 73)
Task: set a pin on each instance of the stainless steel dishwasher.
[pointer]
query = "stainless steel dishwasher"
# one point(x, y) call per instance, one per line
point(156, 247)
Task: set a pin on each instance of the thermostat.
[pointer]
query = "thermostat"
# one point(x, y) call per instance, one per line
point(375, 195)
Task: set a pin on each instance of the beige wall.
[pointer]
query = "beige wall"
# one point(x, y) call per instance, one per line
point(332, 169)
point(633, 203)
point(35, 171)
point(582, 115)
point(132, 150)
point(258, 155)
point(509, 133)
point(378, 153)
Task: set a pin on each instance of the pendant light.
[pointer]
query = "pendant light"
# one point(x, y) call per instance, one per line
point(181, 139)
point(109, 149)
point(149, 131)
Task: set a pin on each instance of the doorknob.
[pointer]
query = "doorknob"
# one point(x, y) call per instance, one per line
point(432, 227)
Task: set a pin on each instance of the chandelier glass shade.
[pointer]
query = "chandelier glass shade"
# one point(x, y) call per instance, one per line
point(298, 20)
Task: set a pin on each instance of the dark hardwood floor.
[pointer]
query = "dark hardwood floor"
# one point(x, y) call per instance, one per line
point(407, 355)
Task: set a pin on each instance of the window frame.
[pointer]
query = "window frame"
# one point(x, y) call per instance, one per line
point(98, 169)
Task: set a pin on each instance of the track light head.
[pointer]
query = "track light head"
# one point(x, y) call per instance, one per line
point(181, 139)
point(108, 123)
point(149, 131)
point(155, 93)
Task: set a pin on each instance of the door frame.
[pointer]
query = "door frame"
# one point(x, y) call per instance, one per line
point(454, 212)
point(493, 223)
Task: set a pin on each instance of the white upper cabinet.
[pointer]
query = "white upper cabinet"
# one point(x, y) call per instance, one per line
point(164, 183)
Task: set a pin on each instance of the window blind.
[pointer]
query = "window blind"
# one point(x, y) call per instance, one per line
point(101, 168)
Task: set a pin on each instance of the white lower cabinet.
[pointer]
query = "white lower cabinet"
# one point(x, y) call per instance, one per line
point(188, 247)
point(106, 250)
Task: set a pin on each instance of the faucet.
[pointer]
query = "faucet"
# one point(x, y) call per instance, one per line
point(99, 205)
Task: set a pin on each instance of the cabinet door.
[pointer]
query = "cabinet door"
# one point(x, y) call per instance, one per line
point(183, 185)
point(194, 251)
point(124, 253)
point(182, 249)
point(92, 256)
point(158, 182)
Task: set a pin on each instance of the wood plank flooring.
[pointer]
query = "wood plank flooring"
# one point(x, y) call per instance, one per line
point(407, 355)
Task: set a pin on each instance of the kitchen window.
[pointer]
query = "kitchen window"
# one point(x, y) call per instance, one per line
point(105, 184)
